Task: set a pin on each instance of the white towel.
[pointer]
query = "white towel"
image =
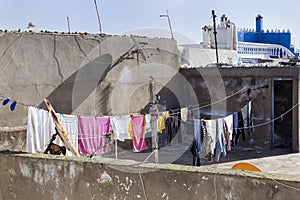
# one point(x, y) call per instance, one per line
point(148, 123)
point(211, 126)
point(244, 111)
point(120, 127)
point(40, 128)
point(184, 114)
point(70, 123)
point(229, 122)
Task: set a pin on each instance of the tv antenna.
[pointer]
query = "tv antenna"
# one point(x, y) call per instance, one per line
point(169, 22)
point(138, 47)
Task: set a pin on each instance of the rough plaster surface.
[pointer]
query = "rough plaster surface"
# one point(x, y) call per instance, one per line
point(35, 66)
point(52, 177)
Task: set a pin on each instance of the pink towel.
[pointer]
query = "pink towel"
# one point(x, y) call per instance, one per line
point(92, 134)
point(138, 133)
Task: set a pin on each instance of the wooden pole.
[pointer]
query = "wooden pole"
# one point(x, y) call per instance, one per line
point(61, 130)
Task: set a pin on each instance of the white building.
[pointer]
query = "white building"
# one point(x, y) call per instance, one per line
point(205, 53)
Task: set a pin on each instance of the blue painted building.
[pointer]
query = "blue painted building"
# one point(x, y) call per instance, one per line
point(259, 35)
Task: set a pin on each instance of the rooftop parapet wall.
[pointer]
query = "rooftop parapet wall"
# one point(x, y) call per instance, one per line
point(35, 66)
point(25, 176)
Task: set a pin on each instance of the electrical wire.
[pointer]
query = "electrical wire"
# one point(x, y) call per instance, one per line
point(210, 104)
point(190, 119)
point(225, 98)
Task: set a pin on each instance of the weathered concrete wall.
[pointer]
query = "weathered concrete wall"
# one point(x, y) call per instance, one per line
point(25, 176)
point(13, 138)
point(66, 68)
point(202, 57)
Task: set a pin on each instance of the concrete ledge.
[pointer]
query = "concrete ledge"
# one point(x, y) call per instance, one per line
point(39, 176)
point(13, 138)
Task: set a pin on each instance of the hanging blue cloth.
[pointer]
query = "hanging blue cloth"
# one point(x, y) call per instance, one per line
point(235, 128)
point(220, 143)
point(196, 146)
point(238, 124)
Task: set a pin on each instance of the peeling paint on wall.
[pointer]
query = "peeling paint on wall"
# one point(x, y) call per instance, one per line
point(104, 178)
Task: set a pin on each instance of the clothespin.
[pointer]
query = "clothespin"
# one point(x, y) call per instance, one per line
point(6, 101)
point(13, 105)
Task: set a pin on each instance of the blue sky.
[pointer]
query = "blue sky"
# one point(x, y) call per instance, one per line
point(119, 16)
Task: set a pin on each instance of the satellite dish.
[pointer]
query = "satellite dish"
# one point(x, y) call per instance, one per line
point(138, 47)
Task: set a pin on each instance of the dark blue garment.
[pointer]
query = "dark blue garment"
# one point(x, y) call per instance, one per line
point(239, 129)
point(235, 128)
point(196, 146)
point(220, 141)
point(173, 124)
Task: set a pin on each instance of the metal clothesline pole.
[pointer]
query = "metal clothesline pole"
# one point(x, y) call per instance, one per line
point(215, 33)
point(98, 15)
point(154, 118)
point(169, 22)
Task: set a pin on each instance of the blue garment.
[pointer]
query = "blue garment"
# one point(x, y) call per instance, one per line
point(196, 146)
point(220, 143)
point(173, 124)
point(197, 134)
point(235, 128)
point(235, 122)
point(239, 129)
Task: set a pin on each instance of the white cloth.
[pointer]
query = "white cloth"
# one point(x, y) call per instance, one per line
point(120, 127)
point(184, 114)
point(40, 128)
point(148, 123)
point(211, 126)
point(229, 122)
point(244, 111)
point(70, 123)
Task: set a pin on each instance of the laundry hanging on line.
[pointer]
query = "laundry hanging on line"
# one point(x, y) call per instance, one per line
point(92, 134)
point(219, 135)
point(172, 125)
point(119, 126)
point(137, 128)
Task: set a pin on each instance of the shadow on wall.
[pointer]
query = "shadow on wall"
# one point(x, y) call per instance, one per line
point(77, 87)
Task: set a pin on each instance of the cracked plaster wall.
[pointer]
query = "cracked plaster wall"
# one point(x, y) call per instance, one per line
point(34, 66)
